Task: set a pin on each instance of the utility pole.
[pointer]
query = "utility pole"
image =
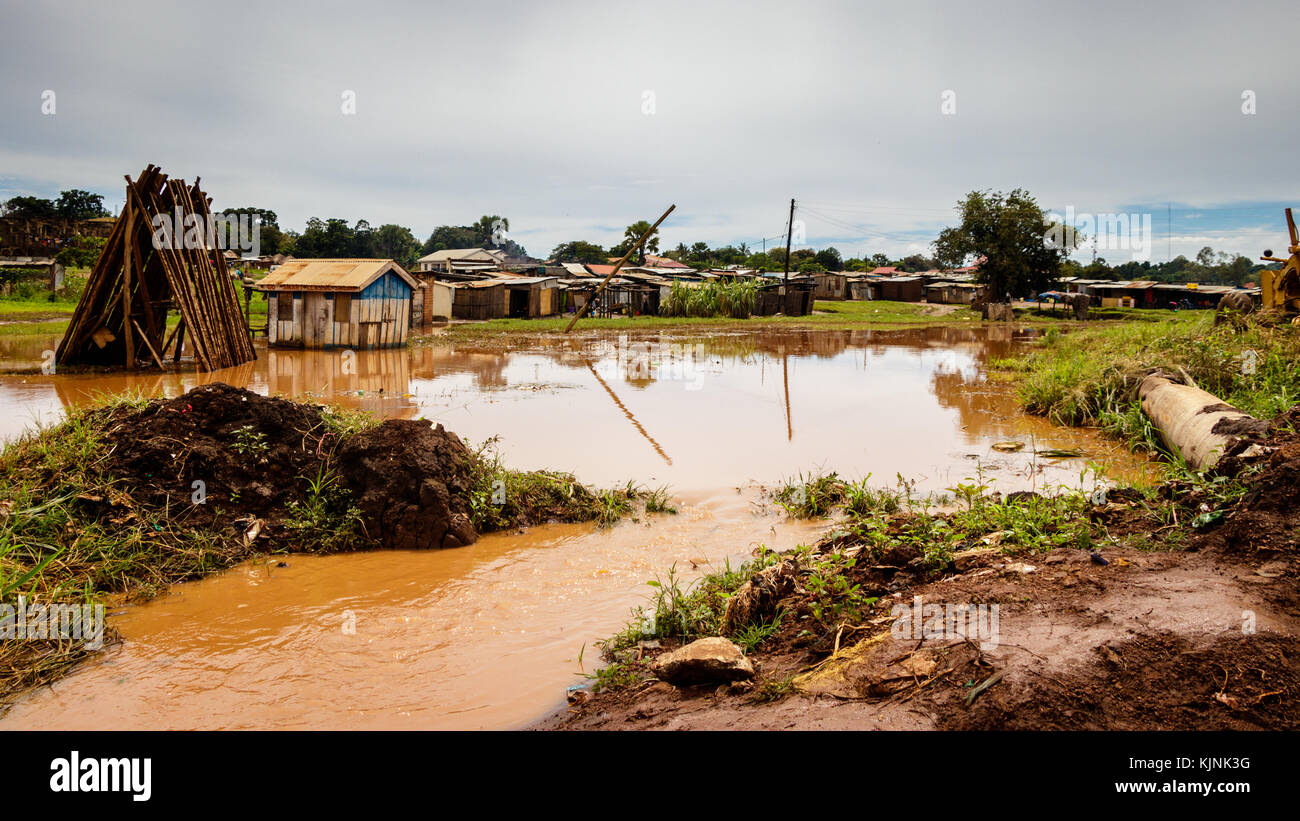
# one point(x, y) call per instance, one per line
point(789, 232)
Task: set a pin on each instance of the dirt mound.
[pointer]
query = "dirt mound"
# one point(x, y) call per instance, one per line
point(1265, 523)
point(248, 451)
point(228, 457)
point(1159, 682)
point(412, 483)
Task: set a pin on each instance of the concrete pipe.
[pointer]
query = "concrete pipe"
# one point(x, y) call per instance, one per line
point(1193, 423)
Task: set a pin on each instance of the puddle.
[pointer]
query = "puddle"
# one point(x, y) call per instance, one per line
point(489, 636)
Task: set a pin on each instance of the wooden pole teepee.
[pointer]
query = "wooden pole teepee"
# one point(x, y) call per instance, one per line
point(143, 273)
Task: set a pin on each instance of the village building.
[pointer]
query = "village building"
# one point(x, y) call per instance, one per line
point(952, 293)
point(340, 303)
point(461, 259)
point(652, 261)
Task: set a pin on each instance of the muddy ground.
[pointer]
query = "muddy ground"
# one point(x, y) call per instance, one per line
point(1129, 637)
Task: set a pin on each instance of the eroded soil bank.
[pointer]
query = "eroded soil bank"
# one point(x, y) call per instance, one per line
point(1174, 608)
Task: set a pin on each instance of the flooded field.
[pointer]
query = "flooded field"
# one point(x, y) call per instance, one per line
point(490, 635)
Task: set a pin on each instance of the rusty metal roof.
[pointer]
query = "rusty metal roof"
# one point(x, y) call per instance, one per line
point(330, 274)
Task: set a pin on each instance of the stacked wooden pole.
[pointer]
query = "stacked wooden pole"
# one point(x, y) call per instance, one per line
point(122, 316)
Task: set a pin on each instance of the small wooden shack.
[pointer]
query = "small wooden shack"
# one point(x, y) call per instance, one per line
point(831, 285)
point(902, 289)
point(953, 293)
point(338, 303)
point(529, 297)
point(482, 299)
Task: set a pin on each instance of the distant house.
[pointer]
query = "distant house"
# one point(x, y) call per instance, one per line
point(461, 259)
point(652, 261)
point(338, 303)
point(886, 271)
point(831, 285)
point(903, 289)
point(482, 299)
point(953, 293)
point(530, 297)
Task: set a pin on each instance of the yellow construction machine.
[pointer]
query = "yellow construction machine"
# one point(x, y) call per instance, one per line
point(1281, 288)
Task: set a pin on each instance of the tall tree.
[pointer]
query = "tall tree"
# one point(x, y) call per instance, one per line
point(397, 243)
point(30, 208)
point(631, 235)
point(579, 251)
point(450, 236)
point(829, 259)
point(270, 237)
point(1011, 235)
point(76, 204)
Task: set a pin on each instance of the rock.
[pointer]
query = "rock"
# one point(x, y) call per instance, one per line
point(966, 559)
point(705, 661)
point(578, 695)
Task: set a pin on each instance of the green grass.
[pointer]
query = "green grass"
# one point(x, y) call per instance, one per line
point(501, 498)
point(1090, 375)
point(819, 494)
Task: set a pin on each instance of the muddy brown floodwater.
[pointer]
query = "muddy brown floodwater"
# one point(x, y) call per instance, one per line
point(489, 636)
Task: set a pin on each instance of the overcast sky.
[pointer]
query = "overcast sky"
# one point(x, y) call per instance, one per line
point(575, 119)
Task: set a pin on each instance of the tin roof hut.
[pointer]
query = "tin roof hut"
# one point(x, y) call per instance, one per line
point(338, 303)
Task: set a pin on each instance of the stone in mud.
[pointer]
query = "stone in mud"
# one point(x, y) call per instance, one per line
point(412, 484)
point(705, 661)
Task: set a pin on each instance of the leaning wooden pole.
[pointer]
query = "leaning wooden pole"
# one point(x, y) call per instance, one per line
point(586, 306)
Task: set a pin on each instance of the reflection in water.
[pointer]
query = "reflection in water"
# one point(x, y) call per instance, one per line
point(640, 429)
point(915, 402)
point(489, 635)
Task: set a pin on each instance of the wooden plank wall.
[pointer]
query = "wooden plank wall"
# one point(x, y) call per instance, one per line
point(380, 317)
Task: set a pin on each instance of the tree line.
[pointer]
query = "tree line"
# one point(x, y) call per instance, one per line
point(1010, 230)
point(338, 238)
point(700, 255)
point(73, 204)
point(1005, 229)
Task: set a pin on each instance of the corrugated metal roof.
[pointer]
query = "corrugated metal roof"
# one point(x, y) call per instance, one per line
point(654, 261)
point(486, 254)
point(330, 274)
point(521, 280)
